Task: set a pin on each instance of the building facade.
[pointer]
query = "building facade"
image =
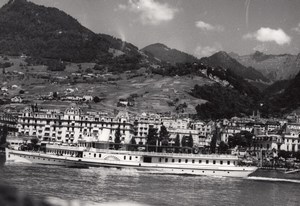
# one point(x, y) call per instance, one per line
point(73, 126)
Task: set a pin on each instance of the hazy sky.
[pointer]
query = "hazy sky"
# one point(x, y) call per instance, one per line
point(199, 27)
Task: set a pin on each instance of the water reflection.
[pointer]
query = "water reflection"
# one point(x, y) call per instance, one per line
point(114, 186)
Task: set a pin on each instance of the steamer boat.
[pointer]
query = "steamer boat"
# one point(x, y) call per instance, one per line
point(151, 162)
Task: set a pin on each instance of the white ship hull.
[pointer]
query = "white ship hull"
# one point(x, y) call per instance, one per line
point(179, 170)
point(20, 157)
point(92, 159)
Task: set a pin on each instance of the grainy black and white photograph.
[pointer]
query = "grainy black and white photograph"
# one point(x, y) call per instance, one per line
point(149, 102)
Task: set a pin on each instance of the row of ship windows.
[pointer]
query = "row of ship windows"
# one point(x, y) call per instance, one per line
point(160, 160)
point(193, 161)
point(179, 160)
point(99, 155)
point(39, 158)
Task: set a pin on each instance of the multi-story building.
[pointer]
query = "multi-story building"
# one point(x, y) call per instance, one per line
point(142, 124)
point(293, 127)
point(291, 137)
point(291, 142)
point(177, 123)
point(73, 126)
point(9, 121)
point(185, 132)
point(272, 127)
point(229, 131)
point(204, 129)
point(267, 142)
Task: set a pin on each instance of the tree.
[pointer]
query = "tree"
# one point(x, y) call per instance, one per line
point(96, 99)
point(164, 136)
point(117, 138)
point(213, 143)
point(34, 141)
point(3, 134)
point(177, 143)
point(284, 154)
point(55, 65)
point(184, 141)
point(88, 70)
point(190, 141)
point(242, 139)
point(132, 141)
point(132, 144)
point(223, 147)
point(55, 95)
point(187, 141)
point(152, 138)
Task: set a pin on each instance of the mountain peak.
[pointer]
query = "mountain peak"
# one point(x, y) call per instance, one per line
point(273, 66)
point(225, 61)
point(258, 54)
point(223, 55)
point(47, 32)
point(164, 53)
point(16, 2)
point(158, 45)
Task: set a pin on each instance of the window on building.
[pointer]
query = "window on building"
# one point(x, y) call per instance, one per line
point(207, 161)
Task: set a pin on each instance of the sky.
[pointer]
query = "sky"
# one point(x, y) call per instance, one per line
point(198, 27)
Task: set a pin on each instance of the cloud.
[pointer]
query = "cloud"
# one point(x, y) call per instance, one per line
point(297, 28)
point(269, 35)
point(150, 11)
point(208, 27)
point(206, 51)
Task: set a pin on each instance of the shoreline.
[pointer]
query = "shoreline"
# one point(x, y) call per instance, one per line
point(274, 168)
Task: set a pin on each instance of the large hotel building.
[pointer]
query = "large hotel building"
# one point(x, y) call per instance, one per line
point(75, 126)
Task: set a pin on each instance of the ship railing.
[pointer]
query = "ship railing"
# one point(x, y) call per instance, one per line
point(62, 147)
point(138, 153)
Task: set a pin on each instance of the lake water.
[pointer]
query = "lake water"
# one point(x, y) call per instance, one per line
point(105, 186)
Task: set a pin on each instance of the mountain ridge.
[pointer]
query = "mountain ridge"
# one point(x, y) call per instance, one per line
point(274, 67)
point(166, 54)
point(43, 32)
point(46, 32)
point(223, 59)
